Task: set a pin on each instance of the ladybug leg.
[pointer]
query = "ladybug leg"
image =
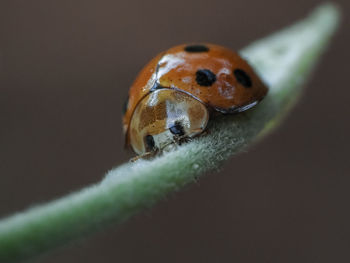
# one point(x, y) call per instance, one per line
point(206, 132)
point(183, 139)
point(199, 130)
point(177, 140)
point(202, 132)
point(145, 156)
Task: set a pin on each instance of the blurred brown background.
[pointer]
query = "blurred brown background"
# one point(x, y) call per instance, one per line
point(65, 70)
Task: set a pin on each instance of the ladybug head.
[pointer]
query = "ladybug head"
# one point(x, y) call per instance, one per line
point(164, 118)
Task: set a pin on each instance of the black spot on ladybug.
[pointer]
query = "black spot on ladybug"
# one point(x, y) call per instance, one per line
point(125, 105)
point(157, 86)
point(177, 129)
point(205, 77)
point(242, 77)
point(196, 48)
point(149, 142)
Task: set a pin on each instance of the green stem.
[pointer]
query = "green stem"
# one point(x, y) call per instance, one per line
point(283, 60)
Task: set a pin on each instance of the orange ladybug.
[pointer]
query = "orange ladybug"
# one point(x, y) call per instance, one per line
point(176, 93)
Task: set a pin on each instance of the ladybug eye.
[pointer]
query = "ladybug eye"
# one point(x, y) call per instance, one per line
point(149, 141)
point(177, 129)
point(205, 77)
point(242, 77)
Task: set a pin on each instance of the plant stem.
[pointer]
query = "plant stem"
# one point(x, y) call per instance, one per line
point(283, 60)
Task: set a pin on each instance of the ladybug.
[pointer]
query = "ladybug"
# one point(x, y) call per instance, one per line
point(178, 91)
